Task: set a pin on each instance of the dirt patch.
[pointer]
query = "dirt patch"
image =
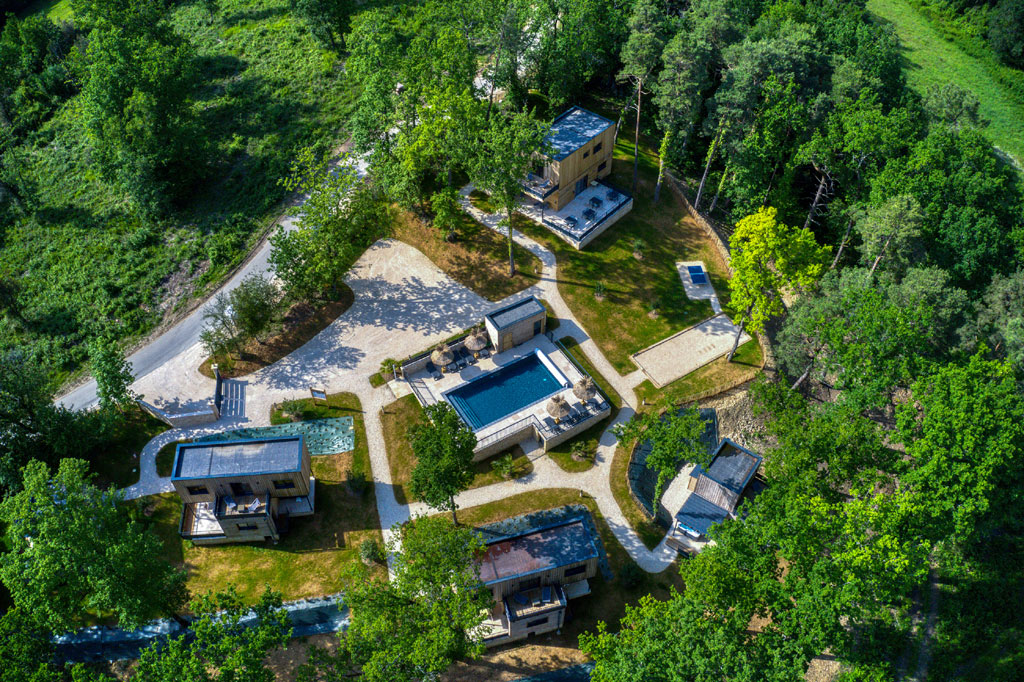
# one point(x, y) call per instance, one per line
point(552, 652)
point(300, 323)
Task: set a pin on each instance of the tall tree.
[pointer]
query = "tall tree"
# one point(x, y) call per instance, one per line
point(999, 319)
point(113, 374)
point(674, 438)
point(327, 19)
point(891, 231)
point(26, 652)
point(504, 156)
point(767, 259)
point(648, 32)
point(414, 626)
point(228, 641)
point(443, 446)
point(74, 548)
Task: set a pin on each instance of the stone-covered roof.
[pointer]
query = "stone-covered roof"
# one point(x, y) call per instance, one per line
point(238, 457)
point(516, 312)
point(574, 129)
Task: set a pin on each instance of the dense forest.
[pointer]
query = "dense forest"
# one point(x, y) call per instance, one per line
point(142, 139)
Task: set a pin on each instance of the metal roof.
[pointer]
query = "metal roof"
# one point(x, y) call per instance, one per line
point(537, 550)
point(238, 457)
point(518, 311)
point(572, 130)
point(733, 466)
point(698, 514)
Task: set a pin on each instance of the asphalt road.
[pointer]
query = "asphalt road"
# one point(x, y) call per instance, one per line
point(185, 333)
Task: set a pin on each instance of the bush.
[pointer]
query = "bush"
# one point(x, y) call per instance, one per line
point(600, 290)
point(504, 465)
point(370, 552)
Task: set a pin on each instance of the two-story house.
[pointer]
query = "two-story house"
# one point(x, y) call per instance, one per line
point(533, 575)
point(580, 146)
point(242, 490)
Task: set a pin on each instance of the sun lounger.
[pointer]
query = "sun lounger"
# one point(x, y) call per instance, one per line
point(545, 594)
point(229, 503)
point(571, 220)
point(485, 353)
point(253, 506)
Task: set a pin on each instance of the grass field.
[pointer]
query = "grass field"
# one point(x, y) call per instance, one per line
point(311, 558)
point(932, 60)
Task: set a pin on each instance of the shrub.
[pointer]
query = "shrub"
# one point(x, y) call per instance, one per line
point(504, 465)
point(599, 290)
point(370, 552)
point(579, 451)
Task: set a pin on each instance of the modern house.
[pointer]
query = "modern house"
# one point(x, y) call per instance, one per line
point(715, 493)
point(242, 490)
point(534, 574)
point(568, 197)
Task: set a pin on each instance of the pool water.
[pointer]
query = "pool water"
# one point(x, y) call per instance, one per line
point(499, 393)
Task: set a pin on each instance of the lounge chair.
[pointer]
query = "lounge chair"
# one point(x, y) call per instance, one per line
point(471, 359)
point(596, 202)
point(485, 353)
point(571, 220)
point(253, 506)
point(229, 503)
point(589, 214)
point(545, 594)
point(612, 195)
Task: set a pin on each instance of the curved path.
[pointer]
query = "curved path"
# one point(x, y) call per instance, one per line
point(404, 303)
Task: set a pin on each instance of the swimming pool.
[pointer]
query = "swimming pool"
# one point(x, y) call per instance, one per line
point(501, 392)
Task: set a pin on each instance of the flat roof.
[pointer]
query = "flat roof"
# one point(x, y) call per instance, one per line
point(238, 457)
point(573, 129)
point(699, 515)
point(516, 312)
point(542, 549)
point(733, 466)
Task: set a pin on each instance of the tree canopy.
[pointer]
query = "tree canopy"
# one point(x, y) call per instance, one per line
point(443, 446)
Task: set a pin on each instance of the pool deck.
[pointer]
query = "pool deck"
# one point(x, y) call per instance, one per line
point(429, 391)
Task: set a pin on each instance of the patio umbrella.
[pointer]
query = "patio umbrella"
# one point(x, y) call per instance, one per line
point(558, 407)
point(584, 389)
point(442, 356)
point(476, 342)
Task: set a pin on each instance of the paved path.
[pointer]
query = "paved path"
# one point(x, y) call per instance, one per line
point(403, 303)
point(185, 333)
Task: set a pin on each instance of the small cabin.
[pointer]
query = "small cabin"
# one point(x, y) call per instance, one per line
point(580, 145)
point(516, 323)
point(242, 490)
point(534, 574)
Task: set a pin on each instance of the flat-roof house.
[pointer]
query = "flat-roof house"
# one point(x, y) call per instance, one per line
point(715, 493)
point(533, 575)
point(581, 144)
point(242, 490)
point(516, 323)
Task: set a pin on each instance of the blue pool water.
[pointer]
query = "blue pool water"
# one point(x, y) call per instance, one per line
point(499, 393)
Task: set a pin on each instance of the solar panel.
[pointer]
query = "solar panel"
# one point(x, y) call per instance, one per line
point(697, 274)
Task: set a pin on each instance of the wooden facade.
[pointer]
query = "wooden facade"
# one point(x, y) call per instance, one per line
point(575, 162)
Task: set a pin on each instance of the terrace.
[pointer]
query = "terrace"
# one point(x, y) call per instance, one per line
point(531, 420)
point(579, 222)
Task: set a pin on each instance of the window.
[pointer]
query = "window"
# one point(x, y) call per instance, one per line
point(536, 328)
point(198, 490)
point(535, 623)
point(604, 164)
point(529, 584)
point(597, 147)
point(575, 571)
point(284, 485)
point(586, 154)
point(247, 526)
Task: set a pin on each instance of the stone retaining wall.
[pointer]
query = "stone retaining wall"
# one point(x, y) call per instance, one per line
point(206, 415)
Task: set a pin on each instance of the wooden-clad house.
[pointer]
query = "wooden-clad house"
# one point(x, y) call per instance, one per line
point(580, 146)
point(242, 490)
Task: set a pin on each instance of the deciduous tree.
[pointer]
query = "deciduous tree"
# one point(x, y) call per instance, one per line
point(113, 374)
point(443, 446)
point(75, 548)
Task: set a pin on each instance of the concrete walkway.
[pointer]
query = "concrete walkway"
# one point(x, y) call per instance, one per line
point(403, 304)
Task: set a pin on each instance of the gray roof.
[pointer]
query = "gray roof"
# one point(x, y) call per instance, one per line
point(562, 544)
point(574, 129)
point(516, 312)
point(698, 514)
point(238, 457)
point(733, 466)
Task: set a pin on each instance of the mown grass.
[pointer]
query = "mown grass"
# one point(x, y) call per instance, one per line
point(562, 454)
point(87, 264)
point(622, 323)
point(116, 462)
point(650, 533)
point(746, 364)
point(397, 418)
point(477, 259)
point(932, 60)
point(311, 559)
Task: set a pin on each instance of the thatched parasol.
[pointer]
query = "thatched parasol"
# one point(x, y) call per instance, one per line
point(584, 389)
point(558, 407)
point(476, 342)
point(442, 356)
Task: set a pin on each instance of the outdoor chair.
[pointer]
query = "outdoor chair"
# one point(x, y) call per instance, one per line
point(229, 503)
point(485, 353)
point(612, 195)
point(596, 202)
point(436, 375)
point(451, 367)
point(589, 214)
point(471, 360)
point(545, 595)
point(253, 506)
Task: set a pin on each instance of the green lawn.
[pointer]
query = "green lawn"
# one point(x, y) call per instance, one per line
point(311, 558)
point(562, 454)
point(621, 324)
point(56, 10)
point(397, 418)
point(930, 60)
point(116, 462)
